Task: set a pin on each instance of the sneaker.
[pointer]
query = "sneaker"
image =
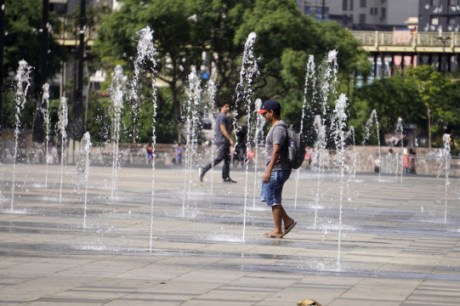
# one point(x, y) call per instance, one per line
point(201, 173)
point(229, 180)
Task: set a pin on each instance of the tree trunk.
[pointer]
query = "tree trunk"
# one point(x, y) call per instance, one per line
point(38, 134)
point(2, 45)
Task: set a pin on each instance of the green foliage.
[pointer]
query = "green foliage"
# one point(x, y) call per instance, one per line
point(173, 42)
point(115, 41)
point(278, 25)
point(9, 112)
point(410, 96)
point(184, 29)
point(350, 57)
point(213, 30)
point(391, 98)
point(293, 68)
point(23, 41)
point(99, 126)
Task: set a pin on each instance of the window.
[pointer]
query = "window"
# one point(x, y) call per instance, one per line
point(362, 3)
point(383, 13)
point(434, 21)
point(451, 21)
point(344, 5)
point(351, 5)
point(452, 2)
point(434, 2)
point(362, 18)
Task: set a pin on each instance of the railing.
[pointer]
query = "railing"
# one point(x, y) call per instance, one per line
point(407, 41)
point(70, 39)
point(372, 41)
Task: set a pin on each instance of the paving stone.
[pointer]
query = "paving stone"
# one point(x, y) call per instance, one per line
point(398, 242)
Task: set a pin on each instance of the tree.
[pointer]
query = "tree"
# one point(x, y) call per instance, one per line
point(22, 41)
point(421, 96)
point(187, 29)
point(430, 85)
point(391, 98)
point(23, 24)
point(279, 26)
point(213, 26)
point(285, 39)
point(176, 53)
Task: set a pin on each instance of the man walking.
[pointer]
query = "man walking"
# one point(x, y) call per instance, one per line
point(278, 168)
point(223, 141)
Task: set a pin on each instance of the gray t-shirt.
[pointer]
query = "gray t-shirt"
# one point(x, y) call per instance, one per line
point(277, 135)
point(219, 138)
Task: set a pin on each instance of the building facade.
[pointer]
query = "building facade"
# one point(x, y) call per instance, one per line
point(317, 8)
point(439, 15)
point(64, 9)
point(364, 14)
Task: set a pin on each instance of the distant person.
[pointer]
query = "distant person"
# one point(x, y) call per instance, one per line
point(223, 141)
point(179, 154)
point(377, 162)
point(390, 161)
point(149, 153)
point(278, 169)
point(308, 156)
point(239, 154)
point(251, 154)
point(406, 161)
point(412, 161)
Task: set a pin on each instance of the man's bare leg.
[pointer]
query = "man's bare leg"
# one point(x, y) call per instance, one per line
point(277, 211)
point(285, 217)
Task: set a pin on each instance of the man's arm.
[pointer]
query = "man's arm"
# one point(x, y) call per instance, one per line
point(224, 132)
point(275, 154)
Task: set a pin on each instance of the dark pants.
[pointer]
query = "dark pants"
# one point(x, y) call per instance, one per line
point(223, 154)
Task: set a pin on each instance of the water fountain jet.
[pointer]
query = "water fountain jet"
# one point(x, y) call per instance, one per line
point(373, 120)
point(339, 121)
point(62, 125)
point(446, 163)
point(244, 92)
point(399, 131)
point(117, 95)
point(46, 118)
point(22, 86)
point(191, 129)
point(85, 150)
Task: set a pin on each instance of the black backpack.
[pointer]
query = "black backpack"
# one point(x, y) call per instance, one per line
point(296, 148)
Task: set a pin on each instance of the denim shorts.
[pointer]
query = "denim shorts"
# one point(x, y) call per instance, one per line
point(271, 191)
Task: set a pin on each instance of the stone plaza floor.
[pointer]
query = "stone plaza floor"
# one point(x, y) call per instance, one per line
point(162, 237)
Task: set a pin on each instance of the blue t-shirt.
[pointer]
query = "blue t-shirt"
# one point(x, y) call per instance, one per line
point(219, 137)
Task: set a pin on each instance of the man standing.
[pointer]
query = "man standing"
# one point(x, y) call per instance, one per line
point(278, 168)
point(223, 141)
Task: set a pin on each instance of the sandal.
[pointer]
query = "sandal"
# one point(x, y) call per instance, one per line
point(289, 228)
point(271, 235)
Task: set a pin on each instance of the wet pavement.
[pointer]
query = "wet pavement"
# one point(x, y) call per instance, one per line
point(361, 240)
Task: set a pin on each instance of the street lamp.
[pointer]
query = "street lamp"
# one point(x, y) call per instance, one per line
point(78, 103)
point(444, 41)
point(428, 113)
